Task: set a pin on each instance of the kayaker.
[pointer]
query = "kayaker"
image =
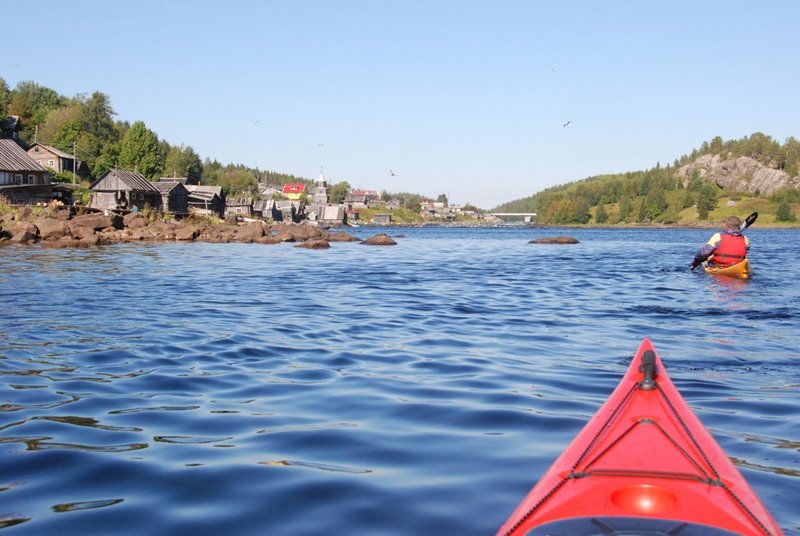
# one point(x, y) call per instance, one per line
point(724, 248)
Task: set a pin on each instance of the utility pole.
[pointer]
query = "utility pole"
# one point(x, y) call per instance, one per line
point(74, 161)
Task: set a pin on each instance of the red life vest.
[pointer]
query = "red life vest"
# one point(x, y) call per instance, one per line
point(731, 249)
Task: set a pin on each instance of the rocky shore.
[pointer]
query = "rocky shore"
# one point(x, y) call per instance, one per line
point(67, 227)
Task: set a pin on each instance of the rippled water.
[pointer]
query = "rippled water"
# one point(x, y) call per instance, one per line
point(416, 389)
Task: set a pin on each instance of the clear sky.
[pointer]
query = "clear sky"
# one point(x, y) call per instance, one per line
point(466, 98)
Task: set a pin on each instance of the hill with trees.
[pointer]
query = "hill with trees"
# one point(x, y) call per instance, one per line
point(85, 124)
point(718, 179)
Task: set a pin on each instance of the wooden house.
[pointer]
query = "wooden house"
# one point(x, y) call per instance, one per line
point(239, 206)
point(382, 219)
point(332, 214)
point(23, 180)
point(121, 189)
point(56, 159)
point(294, 190)
point(205, 200)
point(174, 196)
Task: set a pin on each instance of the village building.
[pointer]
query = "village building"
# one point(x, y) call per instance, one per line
point(118, 189)
point(319, 192)
point(288, 210)
point(174, 196)
point(268, 191)
point(239, 206)
point(294, 190)
point(205, 200)
point(23, 180)
point(382, 219)
point(56, 159)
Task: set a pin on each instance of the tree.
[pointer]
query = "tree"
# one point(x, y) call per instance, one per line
point(785, 213)
point(5, 98)
point(625, 208)
point(442, 199)
point(140, 151)
point(32, 102)
point(338, 192)
point(706, 200)
point(600, 215)
point(183, 162)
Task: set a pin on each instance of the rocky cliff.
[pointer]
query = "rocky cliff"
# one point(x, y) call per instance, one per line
point(743, 175)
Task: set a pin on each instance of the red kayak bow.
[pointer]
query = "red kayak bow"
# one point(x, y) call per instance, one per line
point(644, 464)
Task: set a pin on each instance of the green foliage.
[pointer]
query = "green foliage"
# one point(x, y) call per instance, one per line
point(338, 192)
point(706, 200)
point(32, 102)
point(442, 198)
point(140, 151)
point(785, 213)
point(5, 98)
point(183, 162)
point(600, 215)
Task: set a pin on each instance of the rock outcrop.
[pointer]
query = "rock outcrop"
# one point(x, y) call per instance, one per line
point(555, 240)
point(379, 240)
point(742, 175)
point(62, 228)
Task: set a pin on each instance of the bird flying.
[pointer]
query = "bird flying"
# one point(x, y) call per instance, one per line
point(568, 123)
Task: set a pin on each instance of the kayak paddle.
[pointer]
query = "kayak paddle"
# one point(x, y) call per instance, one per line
point(748, 221)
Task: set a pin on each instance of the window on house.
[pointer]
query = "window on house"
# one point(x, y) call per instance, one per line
point(31, 179)
point(18, 179)
point(51, 163)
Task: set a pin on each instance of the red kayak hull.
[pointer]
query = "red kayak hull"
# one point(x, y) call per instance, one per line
point(643, 458)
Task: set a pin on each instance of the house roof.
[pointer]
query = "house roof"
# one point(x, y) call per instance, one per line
point(58, 152)
point(203, 192)
point(167, 186)
point(133, 180)
point(294, 188)
point(14, 158)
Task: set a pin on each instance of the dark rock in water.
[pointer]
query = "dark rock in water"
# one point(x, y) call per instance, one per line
point(249, 233)
point(134, 220)
point(186, 233)
point(97, 221)
point(555, 240)
point(25, 233)
point(379, 240)
point(342, 237)
point(51, 228)
point(317, 243)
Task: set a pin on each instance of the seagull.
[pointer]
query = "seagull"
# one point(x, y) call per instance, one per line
point(391, 173)
point(568, 123)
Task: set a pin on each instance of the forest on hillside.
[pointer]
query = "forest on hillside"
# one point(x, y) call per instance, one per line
point(656, 196)
point(84, 125)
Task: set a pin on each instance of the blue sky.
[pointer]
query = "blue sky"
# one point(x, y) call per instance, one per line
point(465, 98)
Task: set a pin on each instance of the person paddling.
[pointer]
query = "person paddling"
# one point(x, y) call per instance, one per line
point(724, 248)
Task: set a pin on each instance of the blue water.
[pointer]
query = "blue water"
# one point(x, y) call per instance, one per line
point(417, 389)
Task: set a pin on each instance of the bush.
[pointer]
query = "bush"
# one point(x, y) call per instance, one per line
point(785, 213)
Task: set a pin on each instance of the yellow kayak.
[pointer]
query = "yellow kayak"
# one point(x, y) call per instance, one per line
point(739, 270)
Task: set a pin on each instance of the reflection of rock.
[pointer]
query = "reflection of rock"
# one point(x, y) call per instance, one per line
point(554, 240)
point(379, 240)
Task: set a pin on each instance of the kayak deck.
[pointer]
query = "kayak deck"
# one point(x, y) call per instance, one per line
point(740, 270)
point(644, 461)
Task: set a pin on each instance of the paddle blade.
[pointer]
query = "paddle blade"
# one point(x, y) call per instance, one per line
point(748, 221)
